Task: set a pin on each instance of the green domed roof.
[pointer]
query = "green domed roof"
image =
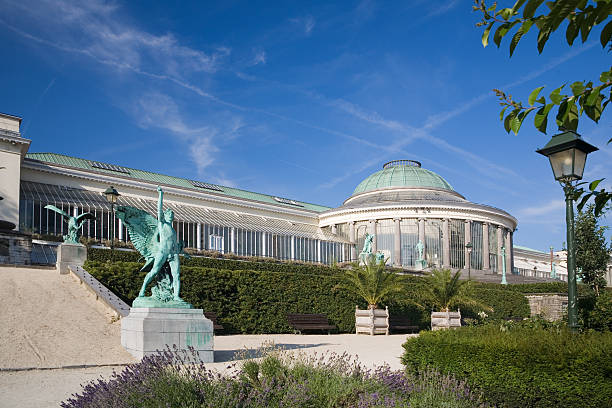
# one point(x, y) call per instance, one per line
point(402, 173)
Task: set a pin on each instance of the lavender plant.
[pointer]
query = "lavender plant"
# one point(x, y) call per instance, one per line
point(278, 380)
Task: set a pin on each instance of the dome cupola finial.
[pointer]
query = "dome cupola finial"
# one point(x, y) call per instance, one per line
point(395, 163)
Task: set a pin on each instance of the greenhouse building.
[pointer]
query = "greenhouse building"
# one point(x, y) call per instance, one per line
point(402, 205)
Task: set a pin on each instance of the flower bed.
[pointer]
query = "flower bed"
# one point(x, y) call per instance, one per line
point(278, 380)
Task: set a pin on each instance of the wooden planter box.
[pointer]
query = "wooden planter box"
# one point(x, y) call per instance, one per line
point(445, 320)
point(372, 321)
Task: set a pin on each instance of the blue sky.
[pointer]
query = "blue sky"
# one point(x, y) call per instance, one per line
point(301, 100)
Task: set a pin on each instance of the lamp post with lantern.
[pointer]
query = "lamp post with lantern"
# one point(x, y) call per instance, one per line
point(111, 196)
point(567, 153)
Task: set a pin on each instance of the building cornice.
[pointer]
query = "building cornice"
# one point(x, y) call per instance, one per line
point(400, 189)
point(419, 210)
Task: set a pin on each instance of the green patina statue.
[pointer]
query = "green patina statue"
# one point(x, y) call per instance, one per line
point(156, 241)
point(74, 223)
point(366, 252)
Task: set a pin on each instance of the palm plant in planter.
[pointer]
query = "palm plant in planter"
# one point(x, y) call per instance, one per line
point(446, 291)
point(374, 284)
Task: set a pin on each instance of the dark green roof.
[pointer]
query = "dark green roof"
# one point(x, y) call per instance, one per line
point(402, 173)
point(162, 179)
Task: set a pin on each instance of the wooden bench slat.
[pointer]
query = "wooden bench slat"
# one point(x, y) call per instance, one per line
point(313, 321)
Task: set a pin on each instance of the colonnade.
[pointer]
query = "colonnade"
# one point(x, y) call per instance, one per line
point(503, 237)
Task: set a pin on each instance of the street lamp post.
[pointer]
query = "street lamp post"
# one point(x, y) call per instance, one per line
point(503, 251)
point(469, 247)
point(111, 196)
point(567, 153)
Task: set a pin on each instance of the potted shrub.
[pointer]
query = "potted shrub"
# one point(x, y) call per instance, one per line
point(446, 291)
point(374, 284)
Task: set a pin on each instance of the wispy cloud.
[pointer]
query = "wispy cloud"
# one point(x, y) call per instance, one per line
point(259, 58)
point(548, 208)
point(93, 28)
point(157, 110)
point(306, 24)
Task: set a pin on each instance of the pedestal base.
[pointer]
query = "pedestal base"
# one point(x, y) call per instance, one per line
point(70, 254)
point(420, 264)
point(146, 330)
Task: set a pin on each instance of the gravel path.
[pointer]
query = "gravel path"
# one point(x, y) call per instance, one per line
point(50, 321)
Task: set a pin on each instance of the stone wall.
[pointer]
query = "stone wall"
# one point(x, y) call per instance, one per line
point(15, 248)
point(550, 306)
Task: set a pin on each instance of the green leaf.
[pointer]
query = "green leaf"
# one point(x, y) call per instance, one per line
point(556, 97)
point(524, 29)
point(502, 30)
point(572, 32)
point(600, 202)
point(541, 118)
point(517, 121)
point(485, 34)
point(518, 5)
point(594, 184)
point(543, 38)
point(533, 95)
point(531, 7)
point(508, 120)
point(577, 87)
point(606, 34)
point(591, 98)
point(501, 114)
point(594, 111)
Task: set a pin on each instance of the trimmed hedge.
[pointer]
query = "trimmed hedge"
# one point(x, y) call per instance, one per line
point(99, 254)
point(521, 366)
point(248, 301)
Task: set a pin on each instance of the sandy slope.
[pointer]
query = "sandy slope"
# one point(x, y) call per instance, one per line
point(49, 320)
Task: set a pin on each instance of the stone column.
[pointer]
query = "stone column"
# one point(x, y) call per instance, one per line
point(318, 250)
point(120, 230)
point(500, 243)
point(292, 247)
point(334, 229)
point(352, 240)
point(232, 241)
point(445, 243)
point(485, 246)
point(263, 244)
point(372, 230)
point(468, 238)
point(508, 246)
point(397, 243)
point(199, 236)
point(421, 226)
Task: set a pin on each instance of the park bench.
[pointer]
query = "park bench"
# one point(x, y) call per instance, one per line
point(402, 323)
point(302, 322)
point(213, 318)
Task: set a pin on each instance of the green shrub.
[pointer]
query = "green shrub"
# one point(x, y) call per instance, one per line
point(251, 301)
point(520, 366)
point(100, 254)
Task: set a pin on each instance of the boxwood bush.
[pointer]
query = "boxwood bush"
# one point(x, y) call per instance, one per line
point(520, 366)
point(257, 301)
point(100, 254)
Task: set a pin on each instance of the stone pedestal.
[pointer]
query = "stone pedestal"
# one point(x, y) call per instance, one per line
point(146, 330)
point(445, 320)
point(420, 264)
point(372, 321)
point(70, 254)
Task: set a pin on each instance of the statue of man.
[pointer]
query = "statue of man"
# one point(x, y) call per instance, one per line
point(419, 247)
point(168, 249)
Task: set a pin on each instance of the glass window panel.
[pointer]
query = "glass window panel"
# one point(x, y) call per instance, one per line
point(409, 239)
point(457, 243)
